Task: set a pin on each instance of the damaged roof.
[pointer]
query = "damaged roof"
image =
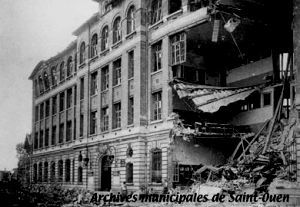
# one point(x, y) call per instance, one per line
point(210, 99)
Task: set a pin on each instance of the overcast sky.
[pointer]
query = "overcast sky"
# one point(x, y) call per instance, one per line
point(30, 30)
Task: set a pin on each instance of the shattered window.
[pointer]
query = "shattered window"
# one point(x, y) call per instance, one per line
point(178, 48)
point(156, 106)
point(156, 57)
point(155, 11)
point(156, 166)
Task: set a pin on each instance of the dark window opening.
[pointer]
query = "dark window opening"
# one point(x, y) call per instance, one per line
point(82, 54)
point(117, 32)
point(117, 72)
point(53, 136)
point(69, 98)
point(52, 172)
point(156, 57)
point(104, 119)
point(47, 110)
point(81, 125)
point(69, 131)
point(62, 71)
point(267, 99)
point(156, 170)
point(129, 173)
point(131, 20)
point(54, 105)
point(104, 38)
point(116, 115)
point(61, 133)
point(93, 124)
point(94, 83)
point(41, 138)
point(67, 170)
point(156, 14)
point(104, 78)
point(198, 4)
point(42, 111)
point(174, 5)
point(130, 64)
point(178, 49)
point(79, 174)
point(60, 170)
point(61, 101)
point(82, 88)
point(69, 66)
point(94, 43)
point(130, 110)
point(46, 172)
point(156, 106)
point(47, 131)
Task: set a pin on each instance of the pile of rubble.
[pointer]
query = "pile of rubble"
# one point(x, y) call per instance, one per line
point(267, 156)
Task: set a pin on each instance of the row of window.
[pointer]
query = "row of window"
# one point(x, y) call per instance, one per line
point(254, 101)
point(41, 173)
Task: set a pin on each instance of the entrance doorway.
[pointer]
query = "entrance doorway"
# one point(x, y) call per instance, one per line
point(106, 172)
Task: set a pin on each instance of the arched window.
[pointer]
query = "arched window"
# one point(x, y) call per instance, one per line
point(82, 53)
point(46, 81)
point(94, 43)
point(53, 76)
point(52, 172)
point(61, 71)
point(129, 172)
point(117, 30)
point(156, 156)
point(131, 20)
point(69, 66)
point(68, 170)
point(41, 84)
point(60, 170)
point(35, 173)
point(45, 171)
point(40, 174)
point(104, 38)
point(80, 174)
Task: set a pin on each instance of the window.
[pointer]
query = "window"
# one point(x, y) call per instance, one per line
point(155, 11)
point(61, 133)
point(54, 105)
point(156, 166)
point(69, 98)
point(35, 173)
point(79, 174)
point(130, 64)
point(69, 131)
point(178, 49)
point(75, 95)
point(62, 101)
point(47, 131)
point(104, 78)
point(254, 101)
point(41, 84)
point(176, 172)
point(53, 76)
point(130, 111)
point(41, 138)
point(45, 171)
point(36, 140)
point(81, 125)
point(116, 115)
point(74, 130)
point(41, 110)
point(94, 83)
point(94, 43)
point(156, 106)
point(267, 99)
point(117, 72)
point(82, 88)
point(47, 110)
point(117, 30)
point(82, 53)
point(129, 173)
point(60, 170)
point(40, 172)
point(67, 170)
point(53, 136)
point(73, 170)
point(104, 38)
point(174, 5)
point(156, 57)
point(131, 20)
point(69, 67)
point(52, 172)
point(36, 88)
point(93, 124)
point(46, 81)
point(36, 113)
point(62, 71)
point(104, 119)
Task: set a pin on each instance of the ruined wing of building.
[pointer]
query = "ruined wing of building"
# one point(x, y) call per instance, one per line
point(152, 90)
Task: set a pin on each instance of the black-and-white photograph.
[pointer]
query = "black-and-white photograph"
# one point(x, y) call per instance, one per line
point(143, 103)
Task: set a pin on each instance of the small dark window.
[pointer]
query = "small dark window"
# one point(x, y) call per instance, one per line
point(53, 136)
point(156, 106)
point(94, 43)
point(117, 30)
point(52, 172)
point(104, 119)
point(81, 125)
point(129, 172)
point(94, 83)
point(47, 110)
point(46, 172)
point(156, 57)
point(104, 78)
point(42, 111)
point(41, 138)
point(69, 67)
point(116, 115)
point(47, 131)
point(156, 13)
point(267, 99)
point(69, 98)
point(131, 20)
point(81, 88)
point(69, 131)
point(82, 54)
point(68, 170)
point(93, 124)
point(79, 174)
point(174, 5)
point(61, 132)
point(130, 64)
point(62, 71)
point(40, 178)
point(61, 101)
point(130, 110)
point(54, 105)
point(104, 39)
point(117, 72)
point(60, 170)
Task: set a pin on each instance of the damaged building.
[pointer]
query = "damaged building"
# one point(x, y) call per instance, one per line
point(151, 91)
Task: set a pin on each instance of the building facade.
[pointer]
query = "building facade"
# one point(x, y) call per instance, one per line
point(105, 110)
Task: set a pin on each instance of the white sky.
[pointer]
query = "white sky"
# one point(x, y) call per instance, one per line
point(30, 30)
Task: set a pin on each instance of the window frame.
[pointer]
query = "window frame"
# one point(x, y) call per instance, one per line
point(131, 20)
point(156, 57)
point(82, 53)
point(117, 72)
point(178, 48)
point(117, 30)
point(104, 38)
point(117, 115)
point(94, 44)
point(156, 106)
point(156, 165)
point(156, 11)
